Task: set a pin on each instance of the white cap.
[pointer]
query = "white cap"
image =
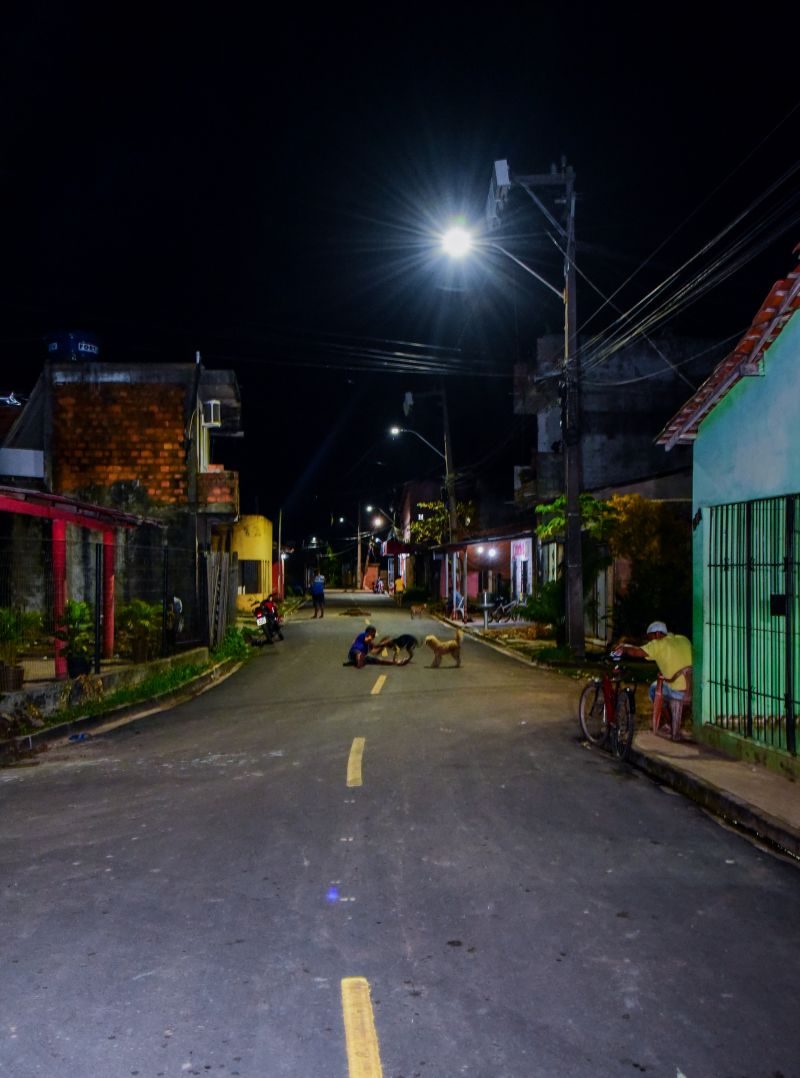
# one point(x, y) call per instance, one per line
point(657, 627)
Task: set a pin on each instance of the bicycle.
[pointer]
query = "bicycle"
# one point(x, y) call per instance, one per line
point(607, 711)
point(504, 611)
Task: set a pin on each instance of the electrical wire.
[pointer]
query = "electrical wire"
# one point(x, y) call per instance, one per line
point(697, 208)
point(760, 234)
point(660, 374)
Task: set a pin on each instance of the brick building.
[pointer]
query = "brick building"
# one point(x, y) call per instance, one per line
point(137, 440)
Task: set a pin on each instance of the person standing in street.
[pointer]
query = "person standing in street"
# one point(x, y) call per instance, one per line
point(318, 595)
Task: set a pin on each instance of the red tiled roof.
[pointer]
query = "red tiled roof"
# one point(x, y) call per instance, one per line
point(776, 310)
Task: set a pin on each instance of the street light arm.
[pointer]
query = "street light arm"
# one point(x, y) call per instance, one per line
point(522, 265)
point(405, 430)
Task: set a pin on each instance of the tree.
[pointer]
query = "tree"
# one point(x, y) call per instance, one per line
point(597, 520)
point(656, 539)
point(329, 565)
point(652, 537)
point(435, 528)
point(597, 517)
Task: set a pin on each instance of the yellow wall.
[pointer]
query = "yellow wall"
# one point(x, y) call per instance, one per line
point(251, 540)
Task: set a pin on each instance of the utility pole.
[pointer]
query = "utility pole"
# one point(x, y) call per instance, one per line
point(359, 581)
point(281, 586)
point(502, 180)
point(572, 436)
point(449, 476)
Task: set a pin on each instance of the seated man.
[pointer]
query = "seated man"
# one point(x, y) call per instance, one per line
point(670, 653)
point(361, 649)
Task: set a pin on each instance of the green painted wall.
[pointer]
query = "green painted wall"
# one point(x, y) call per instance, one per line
point(749, 445)
point(747, 448)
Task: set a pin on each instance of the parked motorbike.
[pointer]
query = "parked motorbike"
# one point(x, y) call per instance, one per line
point(268, 620)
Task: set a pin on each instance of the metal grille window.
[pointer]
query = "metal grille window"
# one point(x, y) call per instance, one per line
point(752, 619)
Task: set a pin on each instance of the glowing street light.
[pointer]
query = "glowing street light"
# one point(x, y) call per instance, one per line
point(457, 241)
point(395, 431)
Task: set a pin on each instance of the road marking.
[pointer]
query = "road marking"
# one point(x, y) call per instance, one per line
point(354, 762)
point(376, 688)
point(363, 1056)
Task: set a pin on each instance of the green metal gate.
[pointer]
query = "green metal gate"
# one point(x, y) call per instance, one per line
point(752, 620)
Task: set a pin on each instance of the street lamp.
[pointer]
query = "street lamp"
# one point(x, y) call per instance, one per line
point(457, 241)
point(456, 244)
point(394, 431)
point(449, 476)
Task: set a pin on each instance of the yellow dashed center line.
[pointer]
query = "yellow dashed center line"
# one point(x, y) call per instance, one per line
point(354, 762)
point(363, 1056)
point(376, 688)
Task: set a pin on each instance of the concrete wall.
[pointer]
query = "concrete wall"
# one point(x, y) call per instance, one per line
point(626, 399)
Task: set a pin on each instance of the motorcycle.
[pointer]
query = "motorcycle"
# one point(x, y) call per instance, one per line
point(268, 619)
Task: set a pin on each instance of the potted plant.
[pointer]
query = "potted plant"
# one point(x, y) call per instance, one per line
point(16, 626)
point(77, 632)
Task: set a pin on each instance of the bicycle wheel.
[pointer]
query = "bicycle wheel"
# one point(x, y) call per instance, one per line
point(626, 726)
point(592, 714)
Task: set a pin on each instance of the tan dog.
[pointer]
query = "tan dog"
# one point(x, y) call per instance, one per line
point(445, 647)
point(418, 610)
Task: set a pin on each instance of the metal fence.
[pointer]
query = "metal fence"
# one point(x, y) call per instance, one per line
point(752, 620)
point(166, 599)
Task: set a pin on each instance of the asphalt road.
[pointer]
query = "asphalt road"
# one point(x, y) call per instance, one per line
point(187, 894)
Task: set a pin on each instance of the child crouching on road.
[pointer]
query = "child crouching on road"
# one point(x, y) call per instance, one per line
point(361, 649)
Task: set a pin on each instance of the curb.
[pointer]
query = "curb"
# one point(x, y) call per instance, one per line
point(732, 809)
point(767, 829)
point(122, 715)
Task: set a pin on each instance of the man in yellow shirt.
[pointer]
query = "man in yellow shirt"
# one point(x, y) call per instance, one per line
point(670, 652)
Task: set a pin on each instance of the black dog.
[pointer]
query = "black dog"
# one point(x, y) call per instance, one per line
point(405, 642)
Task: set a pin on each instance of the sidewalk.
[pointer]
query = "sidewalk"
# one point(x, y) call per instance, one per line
point(759, 802)
point(763, 804)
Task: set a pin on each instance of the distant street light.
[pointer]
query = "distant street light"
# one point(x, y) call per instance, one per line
point(449, 476)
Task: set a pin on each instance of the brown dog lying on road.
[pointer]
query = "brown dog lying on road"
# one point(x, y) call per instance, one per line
point(445, 647)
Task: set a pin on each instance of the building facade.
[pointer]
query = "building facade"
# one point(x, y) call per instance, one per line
point(746, 550)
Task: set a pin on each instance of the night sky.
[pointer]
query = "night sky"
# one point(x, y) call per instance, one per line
point(268, 190)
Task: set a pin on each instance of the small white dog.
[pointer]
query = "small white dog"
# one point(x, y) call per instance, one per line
point(445, 647)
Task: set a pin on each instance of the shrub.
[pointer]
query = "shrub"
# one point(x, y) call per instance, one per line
point(77, 629)
point(139, 626)
point(547, 608)
point(233, 645)
point(17, 627)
